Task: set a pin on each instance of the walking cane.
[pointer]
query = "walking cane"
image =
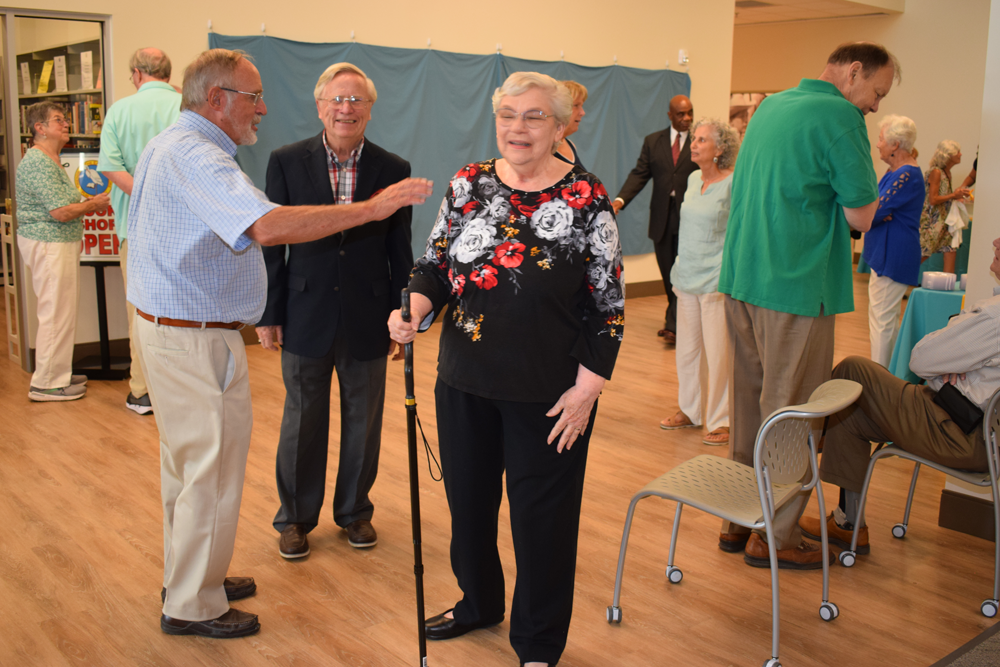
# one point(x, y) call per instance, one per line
point(411, 434)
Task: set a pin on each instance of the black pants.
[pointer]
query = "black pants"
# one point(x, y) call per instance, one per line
point(480, 438)
point(666, 254)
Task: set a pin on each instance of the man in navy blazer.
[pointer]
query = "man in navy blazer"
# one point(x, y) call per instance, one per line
point(327, 305)
point(666, 158)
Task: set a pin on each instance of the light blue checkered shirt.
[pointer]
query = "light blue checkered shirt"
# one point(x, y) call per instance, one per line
point(188, 255)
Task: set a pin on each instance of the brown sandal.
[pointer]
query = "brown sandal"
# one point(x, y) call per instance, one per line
point(718, 437)
point(679, 420)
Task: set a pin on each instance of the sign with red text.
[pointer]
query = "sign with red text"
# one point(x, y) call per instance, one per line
point(100, 242)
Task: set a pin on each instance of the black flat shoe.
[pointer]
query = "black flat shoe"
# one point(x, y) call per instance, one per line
point(441, 627)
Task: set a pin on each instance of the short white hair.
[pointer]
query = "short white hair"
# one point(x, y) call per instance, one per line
point(215, 67)
point(946, 150)
point(519, 82)
point(331, 73)
point(899, 130)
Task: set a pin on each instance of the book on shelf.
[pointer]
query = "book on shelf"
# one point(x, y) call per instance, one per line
point(43, 83)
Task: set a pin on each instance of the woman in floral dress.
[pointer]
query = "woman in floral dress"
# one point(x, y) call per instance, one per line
point(525, 253)
point(933, 233)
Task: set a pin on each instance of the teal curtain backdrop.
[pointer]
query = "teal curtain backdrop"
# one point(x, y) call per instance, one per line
point(434, 110)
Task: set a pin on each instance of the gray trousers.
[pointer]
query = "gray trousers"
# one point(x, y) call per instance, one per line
point(778, 360)
point(305, 428)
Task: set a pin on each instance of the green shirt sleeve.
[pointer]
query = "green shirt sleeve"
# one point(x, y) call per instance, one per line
point(852, 175)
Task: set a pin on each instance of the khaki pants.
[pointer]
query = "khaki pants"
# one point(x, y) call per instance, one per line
point(892, 410)
point(200, 389)
point(778, 360)
point(137, 381)
point(55, 278)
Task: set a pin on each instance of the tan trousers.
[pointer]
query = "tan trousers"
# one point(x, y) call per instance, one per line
point(200, 389)
point(892, 410)
point(778, 359)
point(55, 278)
point(137, 381)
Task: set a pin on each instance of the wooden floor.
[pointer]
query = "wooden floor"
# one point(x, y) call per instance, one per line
point(81, 551)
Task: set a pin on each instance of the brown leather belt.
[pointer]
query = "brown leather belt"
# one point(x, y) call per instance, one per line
point(170, 322)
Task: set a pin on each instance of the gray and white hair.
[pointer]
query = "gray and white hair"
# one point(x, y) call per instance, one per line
point(332, 71)
point(559, 96)
point(946, 150)
point(152, 62)
point(726, 139)
point(214, 67)
point(39, 113)
point(899, 130)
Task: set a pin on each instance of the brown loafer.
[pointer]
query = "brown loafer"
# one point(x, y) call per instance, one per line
point(733, 542)
point(668, 336)
point(293, 542)
point(806, 556)
point(837, 536)
point(237, 588)
point(361, 534)
point(234, 623)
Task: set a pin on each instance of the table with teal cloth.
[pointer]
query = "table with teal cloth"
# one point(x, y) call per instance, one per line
point(926, 311)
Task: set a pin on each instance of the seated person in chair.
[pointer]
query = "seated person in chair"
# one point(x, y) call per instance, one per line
point(965, 354)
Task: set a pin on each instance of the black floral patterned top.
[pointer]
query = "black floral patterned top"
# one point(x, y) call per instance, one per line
point(534, 281)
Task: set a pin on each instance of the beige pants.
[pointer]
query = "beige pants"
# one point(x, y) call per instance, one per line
point(778, 360)
point(884, 297)
point(55, 279)
point(200, 390)
point(701, 324)
point(137, 381)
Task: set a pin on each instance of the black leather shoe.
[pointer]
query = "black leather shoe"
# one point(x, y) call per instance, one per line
point(442, 627)
point(237, 588)
point(234, 623)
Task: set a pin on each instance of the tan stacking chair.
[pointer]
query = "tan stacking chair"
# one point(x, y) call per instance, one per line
point(750, 496)
point(991, 424)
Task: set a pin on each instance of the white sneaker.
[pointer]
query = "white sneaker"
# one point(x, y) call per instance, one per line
point(78, 379)
point(141, 405)
point(70, 393)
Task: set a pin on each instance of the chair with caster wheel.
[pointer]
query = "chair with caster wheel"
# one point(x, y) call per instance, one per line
point(991, 424)
point(749, 496)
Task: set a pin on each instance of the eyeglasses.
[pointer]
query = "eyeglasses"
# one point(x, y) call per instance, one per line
point(534, 119)
point(61, 121)
point(257, 97)
point(340, 99)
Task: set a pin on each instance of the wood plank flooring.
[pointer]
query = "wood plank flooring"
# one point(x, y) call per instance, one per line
point(81, 546)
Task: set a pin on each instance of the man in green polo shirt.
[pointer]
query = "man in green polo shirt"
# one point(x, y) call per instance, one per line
point(128, 127)
point(803, 179)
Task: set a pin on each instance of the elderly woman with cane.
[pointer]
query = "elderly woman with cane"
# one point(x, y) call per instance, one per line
point(525, 253)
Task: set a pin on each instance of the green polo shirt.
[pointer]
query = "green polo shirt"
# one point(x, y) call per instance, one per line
point(130, 124)
point(806, 155)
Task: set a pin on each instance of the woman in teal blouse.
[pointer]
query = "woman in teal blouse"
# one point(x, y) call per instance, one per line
point(701, 318)
point(49, 230)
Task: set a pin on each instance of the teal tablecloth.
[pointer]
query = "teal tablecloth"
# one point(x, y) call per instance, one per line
point(926, 311)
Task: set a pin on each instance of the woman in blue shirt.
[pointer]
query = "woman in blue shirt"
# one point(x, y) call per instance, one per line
point(701, 316)
point(892, 246)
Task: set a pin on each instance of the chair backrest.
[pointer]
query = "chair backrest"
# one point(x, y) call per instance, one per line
point(991, 426)
point(782, 441)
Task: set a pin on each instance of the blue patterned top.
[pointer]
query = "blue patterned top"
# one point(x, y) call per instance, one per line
point(42, 186)
point(189, 257)
point(892, 245)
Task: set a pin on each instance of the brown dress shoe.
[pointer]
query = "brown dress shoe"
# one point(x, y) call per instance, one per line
point(361, 534)
point(837, 536)
point(668, 336)
point(234, 623)
point(237, 588)
point(293, 542)
point(733, 542)
point(806, 556)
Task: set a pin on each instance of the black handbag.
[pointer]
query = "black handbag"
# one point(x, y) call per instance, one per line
point(962, 411)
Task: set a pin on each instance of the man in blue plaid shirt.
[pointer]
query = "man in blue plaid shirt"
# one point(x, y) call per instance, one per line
point(196, 276)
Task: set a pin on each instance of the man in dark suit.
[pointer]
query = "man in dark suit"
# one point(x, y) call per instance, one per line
point(327, 305)
point(666, 158)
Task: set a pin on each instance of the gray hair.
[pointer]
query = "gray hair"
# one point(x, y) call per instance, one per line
point(559, 96)
point(214, 67)
point(151, 62)
point(332, 71)
point(39, 113)
point(946, 150)
point(899, 130)
point(726, 139)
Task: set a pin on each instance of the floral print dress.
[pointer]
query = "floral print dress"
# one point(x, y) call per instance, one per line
point(533, 281)
point(932, 218)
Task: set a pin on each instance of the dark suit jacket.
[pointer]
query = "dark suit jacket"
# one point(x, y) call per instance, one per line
point(656, 161)
point(353, 278)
